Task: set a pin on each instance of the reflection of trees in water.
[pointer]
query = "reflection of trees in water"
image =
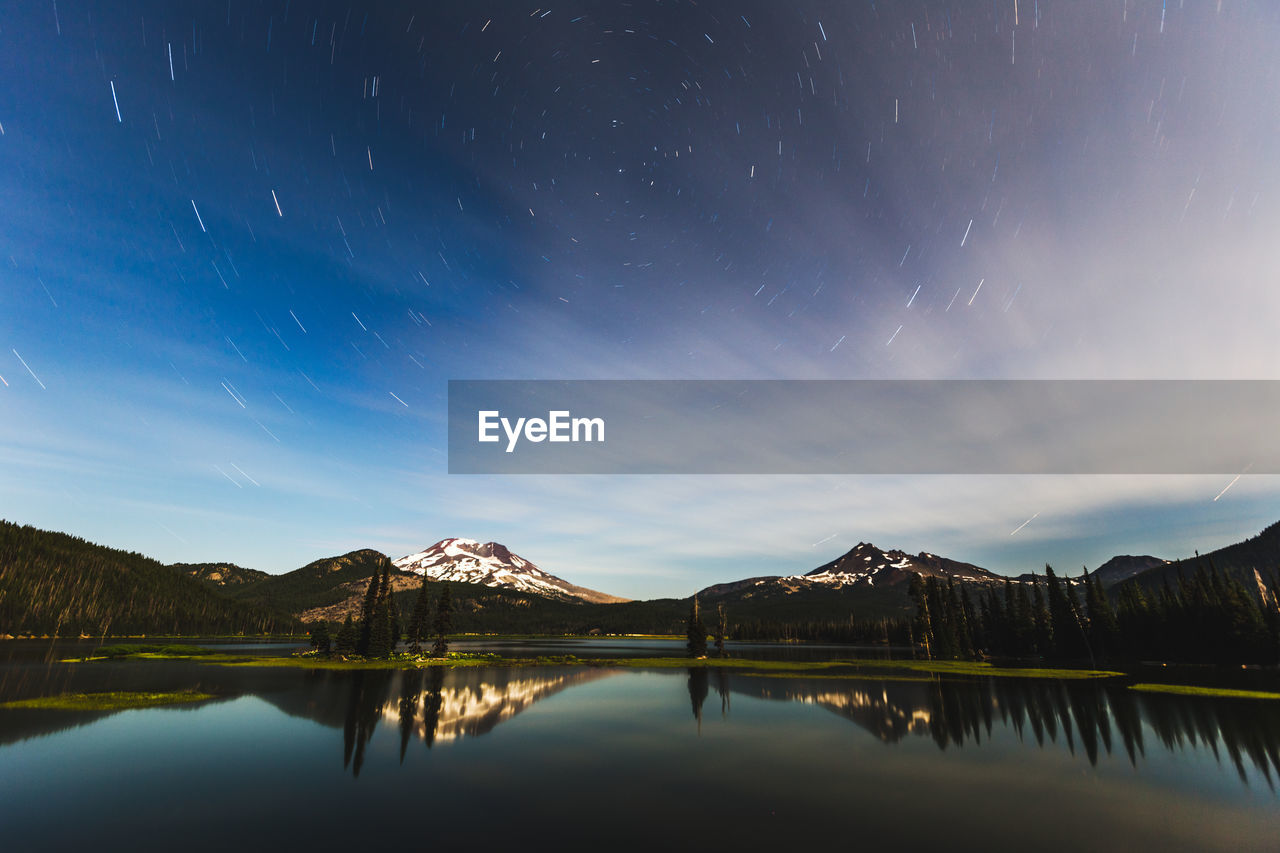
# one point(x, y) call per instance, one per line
point(1087, 716)
point(435, 704)
point(698, 690)
point(722, 688)
point(362, 718)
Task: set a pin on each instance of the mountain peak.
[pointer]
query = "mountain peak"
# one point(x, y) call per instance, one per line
point(1123, 567)
point(493, 564)
point(865, 565)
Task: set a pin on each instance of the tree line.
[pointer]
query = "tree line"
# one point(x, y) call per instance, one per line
point(1208, 617)
point(54, 584)
point(379, 631)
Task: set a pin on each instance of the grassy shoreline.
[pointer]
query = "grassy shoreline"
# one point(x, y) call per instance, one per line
point(851, 668)
point(118, 700)
point(848, 669)
point(1215, 692)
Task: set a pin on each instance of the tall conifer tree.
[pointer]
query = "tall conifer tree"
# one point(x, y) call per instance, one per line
point(365, 630)
point(697, 632)
point(443, 623)
point(420, 620)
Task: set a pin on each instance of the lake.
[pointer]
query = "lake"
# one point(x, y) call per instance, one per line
point(578, 757)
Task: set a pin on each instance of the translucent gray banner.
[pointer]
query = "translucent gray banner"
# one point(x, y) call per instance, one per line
point(864, 427)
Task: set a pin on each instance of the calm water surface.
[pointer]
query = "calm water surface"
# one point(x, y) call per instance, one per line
point(614, 759)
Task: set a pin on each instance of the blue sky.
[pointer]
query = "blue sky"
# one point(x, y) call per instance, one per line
point(241, 296)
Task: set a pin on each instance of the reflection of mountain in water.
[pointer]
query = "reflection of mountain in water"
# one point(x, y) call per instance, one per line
point(435, 704)
point(472, 702)
point(1086, 716)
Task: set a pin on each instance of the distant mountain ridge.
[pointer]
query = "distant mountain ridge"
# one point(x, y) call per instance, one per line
point(877, 577)
point(868, 564)
point(492, 564)
point(56, 583)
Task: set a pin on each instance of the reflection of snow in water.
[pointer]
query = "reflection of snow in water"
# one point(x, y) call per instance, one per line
point(875, 711)
point(474, 709)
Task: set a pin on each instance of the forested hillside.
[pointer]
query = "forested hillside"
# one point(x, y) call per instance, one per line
point(53, 583)
point(1239, 562)
point(220, 575)
point(317, 584)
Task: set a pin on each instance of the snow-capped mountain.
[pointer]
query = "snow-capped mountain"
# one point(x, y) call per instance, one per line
point(492, 564)
point(867, 563)
point(866, 566)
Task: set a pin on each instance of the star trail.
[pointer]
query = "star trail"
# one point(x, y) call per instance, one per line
point(251, 242)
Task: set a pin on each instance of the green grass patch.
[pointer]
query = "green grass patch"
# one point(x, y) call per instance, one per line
point(1217, 692)
point(136, 651)
point(112, 701)
point(857, 667)
point(967, 667)
point(841, 676)
point(401, 661)
point(852, 668)
point(715, 663)
point(131, 649)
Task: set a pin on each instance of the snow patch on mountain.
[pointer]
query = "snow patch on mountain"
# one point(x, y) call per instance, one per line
point(868, 566)
point(494, 565)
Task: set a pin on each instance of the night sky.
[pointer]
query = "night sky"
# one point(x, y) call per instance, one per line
point(243, 247)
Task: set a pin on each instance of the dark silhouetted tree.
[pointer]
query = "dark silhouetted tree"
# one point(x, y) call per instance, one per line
point(393, 620)
point(380, 633)
point(420, 618)
point(924, 618)
point(348, 635)
point(1043, 621)
point(1104, 631)
point(320, 637)
point(367, 614)
point(698, 690)
point(697, 633)
point(442, 624)
point(721, 629)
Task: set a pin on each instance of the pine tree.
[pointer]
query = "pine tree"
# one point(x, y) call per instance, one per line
point(1060, 617)
point(1023, 620)
point(1134, 618)
point(420, 620)
point(979, 628)
point(998, 620)
point(1043, 622)
point(697, 633)
point(721, 629)
point(380, 630)
point(924, 620)
point(320, 637)
point(942, 609)
point(442, 624)
point(380, 636)
point(347, 637)
point(969, 632)
point(1104, 632)
point(367, 613)
point(393, 620)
